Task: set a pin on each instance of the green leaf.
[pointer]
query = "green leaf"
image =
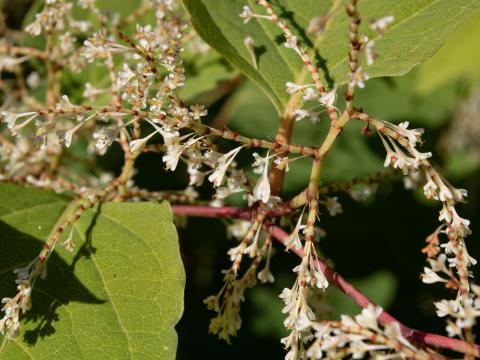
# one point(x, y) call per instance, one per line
point(419, 29)
point(204, 74)
point(401, 101)
point(457, 58)
point(118, 296)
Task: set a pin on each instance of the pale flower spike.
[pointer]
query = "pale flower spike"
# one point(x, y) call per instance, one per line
point(60, 114)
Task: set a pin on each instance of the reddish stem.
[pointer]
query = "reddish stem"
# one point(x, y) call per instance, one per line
point(362, 300)
point(226, 211)
point(336, 279)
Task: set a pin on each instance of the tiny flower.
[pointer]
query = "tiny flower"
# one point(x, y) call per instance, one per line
point(292, 88)
point(281, 163)
point(91, 92)
point(250, 45)
point(68, 244)
point(33, 80)
point(197, 111)
point(369, 317)
point(292, 43)
point(370, 53)
point(360, 77)
point(446, 307)
point(35, 28)
point(136, 146)
point(429, 276)
point(266, 276)
point(68, 136)
point(381, 25)
point(196, 177)
point(310, 94)
point(262, 188)
point(329, 98)
point(172, 156)
point(125, 76)
point(333, 206)
point(103, 138)
point(247, 14)
point(300, 114)
point(217, 177)
point(294, 241)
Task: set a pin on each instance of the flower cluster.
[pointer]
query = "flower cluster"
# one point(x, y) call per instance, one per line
point(360, 337)
point(137, 107)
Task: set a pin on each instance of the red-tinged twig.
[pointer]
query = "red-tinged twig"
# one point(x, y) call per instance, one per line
point(420, 337)
point(226, 211)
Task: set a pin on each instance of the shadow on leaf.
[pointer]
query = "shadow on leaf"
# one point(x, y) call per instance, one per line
point(320, 62)
point(60, 288)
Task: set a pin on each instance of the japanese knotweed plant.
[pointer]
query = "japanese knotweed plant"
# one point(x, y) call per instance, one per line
point(139, 100)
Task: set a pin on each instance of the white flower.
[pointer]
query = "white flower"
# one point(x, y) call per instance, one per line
point(368, 317)
point(8, 62)
point(125, 76)
point(68, 244)
point(310, 94)
point(360, 77)
point(261, 191)
point(293, 88)
point(35, 28)
point(370, 52)
point(281, 163)
point(266, 275)
point(459, 227)
point(429, 276)
point(321, 281)
point(446, 307)
point(103, 138)
point(136, 146)
point(172, 156)
point(299, 114)
point(293, 241)
point(430, 189)
point(197, 111)
point(259, 163)
point(381, 25)
point(68, 137)
point(217, 177)
point(238, 229)
point(247, 14)
point(333, 206)
point(196, 177)
point(329, 98)
point(250, 45)
point(90, 92)
point(169, 137)
point(292, 43)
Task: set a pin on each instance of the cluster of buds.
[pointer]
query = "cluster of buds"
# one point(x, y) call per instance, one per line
point(10, 323)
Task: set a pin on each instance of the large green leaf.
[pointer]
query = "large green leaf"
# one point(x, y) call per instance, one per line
point(459, 57)
point(118, 296)
point(419, 29)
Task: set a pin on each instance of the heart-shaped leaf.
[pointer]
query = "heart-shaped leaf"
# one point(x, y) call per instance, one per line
point(117, 296)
